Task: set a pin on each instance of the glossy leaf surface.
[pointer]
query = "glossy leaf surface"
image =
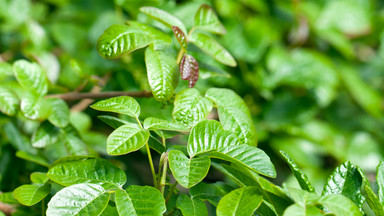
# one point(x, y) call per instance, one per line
point(209, 135)
point(300, 176)
point(59, 112)
point(80, 199)
point(190, 107)
point(188, 171)
point(162, 73)
point(234, 114)
point(248, 157)
point(151, 123)
point(45, 134)
point(126, 139)
point(163, 17)
point(212, 48)
point(180, 36)
point(191, 206)
point(380, 181)
point(123, 105)
point(346, 180)
point(31, 194)
point(240, 202)
point(95, 171)
point(160, 39)
point(140, 201)
point(118, 40)
point(339, 205)
point(189, 70)
point(35, 108)
point(9, 102)
point(31, 76)
point(207, 20)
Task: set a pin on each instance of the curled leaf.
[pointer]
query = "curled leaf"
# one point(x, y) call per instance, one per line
point(180, 36)
point(189, 69)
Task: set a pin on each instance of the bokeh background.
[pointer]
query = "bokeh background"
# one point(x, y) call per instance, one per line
point(311, 72)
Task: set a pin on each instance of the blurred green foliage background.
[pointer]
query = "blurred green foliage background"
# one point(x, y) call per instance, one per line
point(311, 72)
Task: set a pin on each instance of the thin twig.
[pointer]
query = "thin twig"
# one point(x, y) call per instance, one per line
point(100, 95)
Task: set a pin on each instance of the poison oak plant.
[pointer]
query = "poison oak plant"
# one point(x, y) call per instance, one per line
point(76, 181)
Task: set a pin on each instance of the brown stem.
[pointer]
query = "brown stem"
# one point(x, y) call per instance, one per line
point(99, 95)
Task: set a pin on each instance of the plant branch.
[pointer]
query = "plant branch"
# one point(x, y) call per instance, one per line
point(88, 95)
point(170, 193)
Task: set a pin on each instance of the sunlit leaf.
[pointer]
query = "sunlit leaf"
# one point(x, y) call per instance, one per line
point(209, 135)
point(140, 201)
point(234, 114)
point(9, 102)
point(301, 177)
point(80, 199)
point(35, 108)
point(95, 171)
point(339, 205)
point(210, 46)
point(151, 123)
point(191, 206)
point(118, 40)
point(31, 194)
point(206, 19)
point(59, 112)
point(160, 39)
point(126, 139)
point(188, 171)
point(162, 73)
point(380, 181)
point(45, 134)
point(31, 76)
point(123, 105)
point(163, 17)
point(240, 202)
point(190, 107)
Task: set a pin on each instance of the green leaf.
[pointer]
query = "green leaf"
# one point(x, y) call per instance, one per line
point(365, 95)
point(372, 200)
point(31, 77)
point(35, 108)
point(380, 181)
point(71, 158)
point(248, 157)
point(95, 171)
point(123, 105)
point(16, 138)
point(9, 102)
point(209, 135)
point(162, 73)
point(191, 206)
point(299, 210)
point(302, 197)
point(156, 145)
point(33, 158)
point(31, 194)
point(180, 36)
point(241, 177)
point(301, 177)
point(59, 112)
point(118, 40)
point(45, 134)
point(151, 123)
point(112, 121)
point(5, 70)
point(346, 180)
point(210, 192)
point(160, 39)
point(188, 171)
point(210, 46)
point(339, 205)
point(164, 17)
point(207, 20)
point(75, 145)
point(240, 202)
point(190, 107)
point(39, 178)
point(126, 139)
point(140, 201)
point(8, 198)
point(234, 114)
point(81, 199)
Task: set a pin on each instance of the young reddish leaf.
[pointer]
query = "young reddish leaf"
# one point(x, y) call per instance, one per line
point(180, 36)
point(189, 69)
